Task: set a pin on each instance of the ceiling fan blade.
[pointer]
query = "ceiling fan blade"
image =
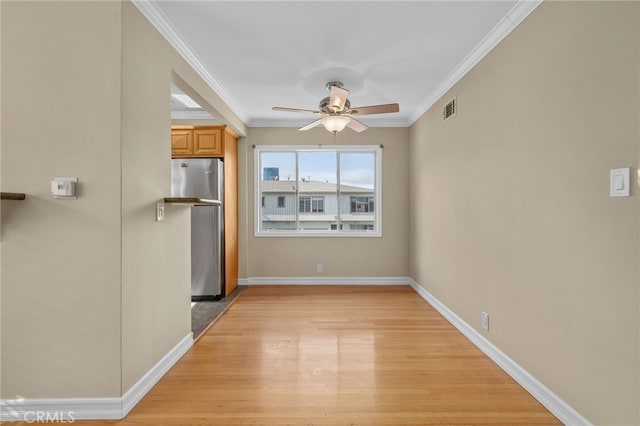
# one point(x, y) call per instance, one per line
point(374, 109)
point(356, 125)
point(294, 110)
point(311, 125)
point(338, 98)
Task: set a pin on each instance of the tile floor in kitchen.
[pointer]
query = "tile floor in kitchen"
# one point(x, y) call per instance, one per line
point(206, 312)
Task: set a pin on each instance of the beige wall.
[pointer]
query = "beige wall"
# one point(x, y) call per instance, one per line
point(355, 257)
point(510, 209)
point(156, 289)
point(94, 291)
point(156, 262)
point(61, 258)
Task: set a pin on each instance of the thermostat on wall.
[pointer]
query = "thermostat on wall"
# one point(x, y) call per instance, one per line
point(64, 187)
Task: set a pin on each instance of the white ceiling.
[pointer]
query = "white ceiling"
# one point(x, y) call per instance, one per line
point(259, 54)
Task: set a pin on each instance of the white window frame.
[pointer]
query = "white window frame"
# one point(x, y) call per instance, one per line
point(257, 170)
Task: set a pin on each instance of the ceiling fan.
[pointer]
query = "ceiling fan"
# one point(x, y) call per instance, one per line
point(337, 113)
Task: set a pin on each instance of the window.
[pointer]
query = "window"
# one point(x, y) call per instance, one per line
point(311, 204)
point(361, 204)
point(304, 191)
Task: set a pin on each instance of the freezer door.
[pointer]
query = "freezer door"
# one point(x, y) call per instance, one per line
point(206, 252)
point(197, 177)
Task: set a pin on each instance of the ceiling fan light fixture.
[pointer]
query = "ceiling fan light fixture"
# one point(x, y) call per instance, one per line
point(336, 111)
point(335, 123)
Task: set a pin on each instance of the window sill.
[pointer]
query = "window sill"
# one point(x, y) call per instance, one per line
point(319, 234)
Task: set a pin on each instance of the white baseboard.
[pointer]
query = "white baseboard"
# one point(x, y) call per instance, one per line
point(325, 281)
point(563, 411)
point(59, 410)
point(144, 385)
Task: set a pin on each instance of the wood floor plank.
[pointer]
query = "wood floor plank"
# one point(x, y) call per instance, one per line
point(335, 355)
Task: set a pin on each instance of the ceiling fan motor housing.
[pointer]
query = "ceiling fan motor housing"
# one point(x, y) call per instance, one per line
point(325, 106)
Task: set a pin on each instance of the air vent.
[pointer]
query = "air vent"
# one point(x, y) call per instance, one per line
point(449, 109)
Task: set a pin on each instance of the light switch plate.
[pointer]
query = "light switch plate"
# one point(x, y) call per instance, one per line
point(619, 182)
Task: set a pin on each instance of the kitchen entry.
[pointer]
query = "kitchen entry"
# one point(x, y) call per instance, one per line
point(204, 174)
point(206, 312)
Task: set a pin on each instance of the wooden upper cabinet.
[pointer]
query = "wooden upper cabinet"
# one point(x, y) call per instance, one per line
point(200, 141)
point(207, 142)
point(181, 142)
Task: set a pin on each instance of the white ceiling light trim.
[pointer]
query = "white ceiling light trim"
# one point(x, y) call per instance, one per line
point(160, 22)
point(191, 115)
point(507, 24)
point(185, 100)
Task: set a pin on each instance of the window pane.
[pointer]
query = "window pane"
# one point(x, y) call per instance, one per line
point(317, 188)
point(305, 205)
point(357, 179)
point(278, 187)
point(317, 204)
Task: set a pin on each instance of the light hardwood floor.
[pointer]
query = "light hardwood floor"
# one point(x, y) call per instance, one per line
point(335, 355)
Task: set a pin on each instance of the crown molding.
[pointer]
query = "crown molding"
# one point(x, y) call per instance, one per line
point(507, 24)
point(161, 23)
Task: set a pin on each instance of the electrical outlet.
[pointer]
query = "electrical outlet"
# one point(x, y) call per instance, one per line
point(320, 268)
point(159, 212)
point(484, 320)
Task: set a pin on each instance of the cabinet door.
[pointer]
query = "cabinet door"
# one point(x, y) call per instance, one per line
point(207, 143)
point(181, 142)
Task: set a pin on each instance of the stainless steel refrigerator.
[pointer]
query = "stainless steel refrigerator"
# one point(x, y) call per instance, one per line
point(203, 178)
